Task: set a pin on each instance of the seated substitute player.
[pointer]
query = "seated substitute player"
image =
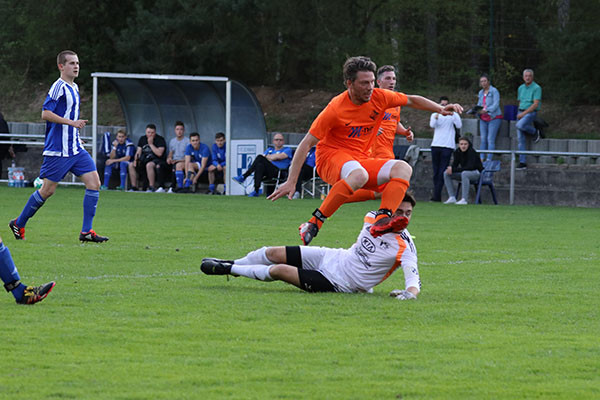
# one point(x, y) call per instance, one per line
point(176, 157)
point(197, 158)
point(63, 151)
point(121, 154)
point(366, 264)
point(12, 281)
point(149, 159)
point(344, 133)
point(269, 164)
point(218, 163)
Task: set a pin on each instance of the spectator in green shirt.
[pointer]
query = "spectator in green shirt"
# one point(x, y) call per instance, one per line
point(529, 97)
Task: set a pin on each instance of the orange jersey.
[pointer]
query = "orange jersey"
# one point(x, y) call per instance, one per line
point(345, 126)
point(384, 144)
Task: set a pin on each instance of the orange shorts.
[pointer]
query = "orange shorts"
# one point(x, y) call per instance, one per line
point(330, 163)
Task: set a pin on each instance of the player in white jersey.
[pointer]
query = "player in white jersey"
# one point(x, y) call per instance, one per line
point(366, 264)
point(63, 151)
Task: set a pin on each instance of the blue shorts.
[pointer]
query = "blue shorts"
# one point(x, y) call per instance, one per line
point(55, 168)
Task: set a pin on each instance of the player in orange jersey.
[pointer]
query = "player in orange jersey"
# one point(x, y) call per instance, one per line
point(383, 147)
point(344, 133)
point(390, 125)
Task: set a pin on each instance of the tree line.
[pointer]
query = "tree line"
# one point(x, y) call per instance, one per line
point(303, 44)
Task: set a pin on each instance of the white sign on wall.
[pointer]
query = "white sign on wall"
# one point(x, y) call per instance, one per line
point(243, 154)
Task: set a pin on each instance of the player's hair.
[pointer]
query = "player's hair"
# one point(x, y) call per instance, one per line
point(151, 126)
point(444, 98)
point(528, 70)
point(123, 131)
point(179, 123)
point(194, 134)
point(219, 135)
point(61, 58)
point(355, 64)
point(409, 197)
point(385, 68)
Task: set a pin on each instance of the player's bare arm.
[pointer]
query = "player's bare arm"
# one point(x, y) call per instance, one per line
point(289, 187)
point(401, 130)
point(49, 116)
point(422, 103)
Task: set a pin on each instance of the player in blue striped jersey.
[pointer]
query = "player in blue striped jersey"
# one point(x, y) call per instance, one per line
point(63, 150)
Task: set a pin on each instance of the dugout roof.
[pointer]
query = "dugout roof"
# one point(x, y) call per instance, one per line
point(201, 102)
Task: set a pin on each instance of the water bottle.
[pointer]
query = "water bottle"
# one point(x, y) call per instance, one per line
point(11, 175)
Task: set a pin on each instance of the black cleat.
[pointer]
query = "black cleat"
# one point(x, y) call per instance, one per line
point(308, 231)
point(214, 266)
point(18, 232)
point(35, 294)
point(91, 236)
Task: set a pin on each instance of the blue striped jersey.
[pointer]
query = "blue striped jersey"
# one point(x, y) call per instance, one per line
point(62, 140)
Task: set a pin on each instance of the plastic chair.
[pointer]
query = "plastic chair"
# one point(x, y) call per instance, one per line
point(485, 179)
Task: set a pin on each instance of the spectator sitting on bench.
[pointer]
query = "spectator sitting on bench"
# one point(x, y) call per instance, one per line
point(197, 158)
point(268, 164)
point(218, 163)
point(465, 168)
point(176, 157)
point(149, 159)
point(123, 151)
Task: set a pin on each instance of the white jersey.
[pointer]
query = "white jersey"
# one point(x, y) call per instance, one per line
point(371, 260)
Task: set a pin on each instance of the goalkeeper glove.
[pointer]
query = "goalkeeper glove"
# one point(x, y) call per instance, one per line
point(403, 294)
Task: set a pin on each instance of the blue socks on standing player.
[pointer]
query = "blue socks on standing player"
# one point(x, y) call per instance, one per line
point(33, 204)
point(90, 202)
point(179, 178)
point(211, 187)
point(9, 273)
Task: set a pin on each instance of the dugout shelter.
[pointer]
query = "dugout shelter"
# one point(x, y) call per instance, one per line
point(206, 104)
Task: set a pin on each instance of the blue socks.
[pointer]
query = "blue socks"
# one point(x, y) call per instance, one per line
point(9, 273)
point(123, 173)
point(90, 202)
point(107, 173)
point(179, 177)
point(33, 204)
point(211, 187)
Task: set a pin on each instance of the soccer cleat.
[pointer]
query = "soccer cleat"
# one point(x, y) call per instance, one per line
point(92, 236)
point(103, 187)
point(239, 179)
point(18, 232)
point(308, 231)
point(35, 294)
point(215, 266)
point(395, 223)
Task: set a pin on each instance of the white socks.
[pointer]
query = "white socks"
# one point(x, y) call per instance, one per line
point(255, 257)
point(259, 272)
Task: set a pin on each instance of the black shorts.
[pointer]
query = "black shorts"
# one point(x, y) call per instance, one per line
point(310, 280)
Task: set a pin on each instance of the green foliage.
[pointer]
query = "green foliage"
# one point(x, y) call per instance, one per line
point(506, 311)
point(304, 44)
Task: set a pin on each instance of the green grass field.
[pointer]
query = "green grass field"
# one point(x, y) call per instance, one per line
point(509, 307)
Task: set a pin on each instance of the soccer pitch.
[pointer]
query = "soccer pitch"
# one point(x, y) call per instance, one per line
point(509, 307)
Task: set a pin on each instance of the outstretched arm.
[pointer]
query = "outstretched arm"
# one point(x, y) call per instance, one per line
point(289, 187)
point(421, 103)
